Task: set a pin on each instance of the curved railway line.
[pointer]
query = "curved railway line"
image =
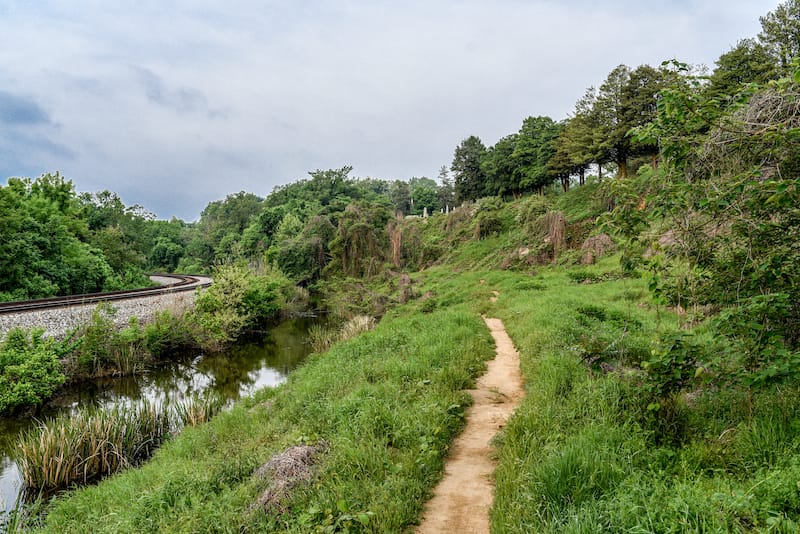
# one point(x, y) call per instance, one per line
point(179, 283)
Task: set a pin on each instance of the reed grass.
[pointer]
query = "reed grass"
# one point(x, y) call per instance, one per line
point(78, 449)
point(81, 448)
point(198, 409)
point(323, 337)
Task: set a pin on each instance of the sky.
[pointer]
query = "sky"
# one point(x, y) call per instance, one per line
point(176, 104)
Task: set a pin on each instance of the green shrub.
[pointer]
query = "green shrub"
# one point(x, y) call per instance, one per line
point(530, 211)
point(167, 333)
point(492, 218)
point(240, 298)
point(104, 349)
point(488, 223)
point(30, 370)
point(262, 299)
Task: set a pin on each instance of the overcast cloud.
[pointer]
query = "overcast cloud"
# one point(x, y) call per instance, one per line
point(175, 104)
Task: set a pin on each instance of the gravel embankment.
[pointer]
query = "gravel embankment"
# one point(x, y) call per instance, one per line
point(59, 321)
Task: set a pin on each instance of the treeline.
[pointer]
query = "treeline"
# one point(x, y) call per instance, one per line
point(58, 242)
point(54, 241)
point(328, 225)
point(598, 133)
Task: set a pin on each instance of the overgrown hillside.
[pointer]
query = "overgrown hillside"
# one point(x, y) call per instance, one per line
point(638, 414)
point(656, 313)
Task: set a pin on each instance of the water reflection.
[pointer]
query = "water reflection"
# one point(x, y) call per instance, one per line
point(232, 374)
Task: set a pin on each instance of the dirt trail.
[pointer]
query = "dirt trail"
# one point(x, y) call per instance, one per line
point(462, 499)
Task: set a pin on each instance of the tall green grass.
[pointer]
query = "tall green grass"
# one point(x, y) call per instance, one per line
point(90, 444)
point(386, 404)
point(81, 448)
point(580, 454)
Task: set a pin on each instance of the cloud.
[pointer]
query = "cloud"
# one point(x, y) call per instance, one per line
point(145, 99)
point(181, 99)
point(20, 110)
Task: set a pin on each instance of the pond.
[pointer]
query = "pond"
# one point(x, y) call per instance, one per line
point(231, 374)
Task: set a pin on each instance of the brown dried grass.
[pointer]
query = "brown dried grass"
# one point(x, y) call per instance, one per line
point(285, 471)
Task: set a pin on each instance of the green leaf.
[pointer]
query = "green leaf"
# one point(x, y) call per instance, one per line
point(698, 372)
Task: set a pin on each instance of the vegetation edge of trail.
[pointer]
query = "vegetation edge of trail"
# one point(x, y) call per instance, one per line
point(386, 404)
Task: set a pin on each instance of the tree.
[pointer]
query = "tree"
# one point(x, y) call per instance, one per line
point(360, 244)
point(501, 168)
point(445, 190)
point(780, 33)
point(166, 254)
point(329, 184)
point(258, 236)
point(425, 197)
point(577, 139)
point(535, 146)
point(43, 248)
point(225, 220)
point(612, 142)
point(561, 163)
point(400, 194)
point(640, 98)
point(627, 99)
point(747, 62)
point(467, 173)
point(302, 253)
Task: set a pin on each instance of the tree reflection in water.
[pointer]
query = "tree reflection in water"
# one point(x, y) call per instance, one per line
point(231, 374)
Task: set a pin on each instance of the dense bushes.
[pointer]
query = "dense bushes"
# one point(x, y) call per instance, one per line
point(241, 299)
point(30, 370)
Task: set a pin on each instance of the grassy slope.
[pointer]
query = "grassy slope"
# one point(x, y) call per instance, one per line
point(579, 455)
point(387, 404)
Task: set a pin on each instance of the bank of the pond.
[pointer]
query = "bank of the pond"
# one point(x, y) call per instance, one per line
point(231, 375)
point(380, 410)
point(242, 300)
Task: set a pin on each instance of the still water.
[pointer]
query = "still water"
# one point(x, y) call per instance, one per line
point(232, 374)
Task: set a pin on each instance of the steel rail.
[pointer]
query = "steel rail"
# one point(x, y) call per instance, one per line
point(182, 283)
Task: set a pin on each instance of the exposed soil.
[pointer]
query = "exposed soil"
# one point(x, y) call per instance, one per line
point(462, 499)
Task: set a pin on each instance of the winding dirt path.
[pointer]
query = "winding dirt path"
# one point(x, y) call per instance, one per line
point(462, 499)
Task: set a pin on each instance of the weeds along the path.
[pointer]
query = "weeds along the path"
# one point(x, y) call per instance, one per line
point(581, 453)
point(385, 404)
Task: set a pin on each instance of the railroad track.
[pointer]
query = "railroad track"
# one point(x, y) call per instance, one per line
point(181, 283)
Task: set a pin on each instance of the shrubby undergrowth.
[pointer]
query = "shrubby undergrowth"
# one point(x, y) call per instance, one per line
point(30, 370)
point(241, 299)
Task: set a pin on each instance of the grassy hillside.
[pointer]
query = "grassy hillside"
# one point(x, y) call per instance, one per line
point(629, 424)
point(381, 409)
